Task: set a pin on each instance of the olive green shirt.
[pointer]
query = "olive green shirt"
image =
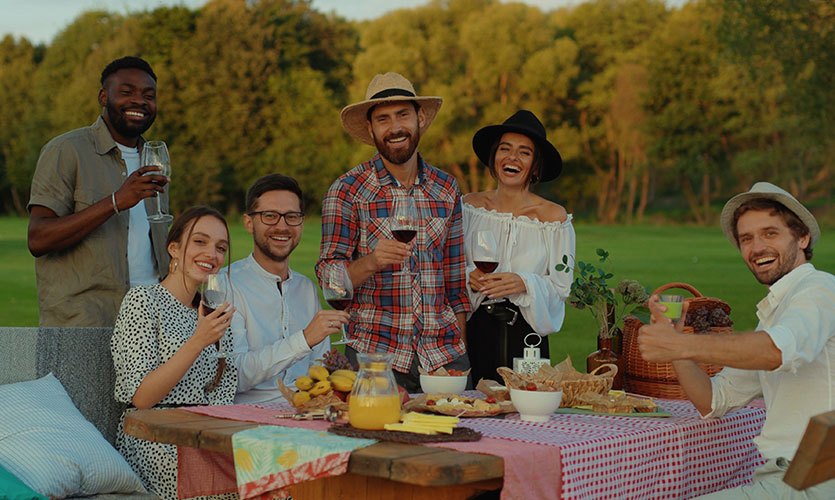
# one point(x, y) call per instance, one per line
point(84, 284)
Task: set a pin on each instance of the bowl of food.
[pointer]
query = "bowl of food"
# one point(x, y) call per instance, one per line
point(443, 382)
point(535, 405)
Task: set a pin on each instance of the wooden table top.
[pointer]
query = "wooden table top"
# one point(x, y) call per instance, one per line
point(406, 463)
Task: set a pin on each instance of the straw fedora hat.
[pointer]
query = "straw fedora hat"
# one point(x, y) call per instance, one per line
point(526, 123)
point(390, 87)
point(771, 192)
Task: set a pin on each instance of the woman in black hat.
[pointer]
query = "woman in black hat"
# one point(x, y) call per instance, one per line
point(524, 293)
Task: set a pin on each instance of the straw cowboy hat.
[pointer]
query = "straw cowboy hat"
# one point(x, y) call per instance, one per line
point(526, 123)
point(771, 192)
point(391, 87)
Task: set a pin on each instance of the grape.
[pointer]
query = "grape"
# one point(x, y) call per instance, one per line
point(703, 318)
point(335, 360)
point(718, 317)
point(698, 319)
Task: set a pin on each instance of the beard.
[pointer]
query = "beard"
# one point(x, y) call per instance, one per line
point(119, 121)
point(786, 265)
point(263, 244)
point(399, 156)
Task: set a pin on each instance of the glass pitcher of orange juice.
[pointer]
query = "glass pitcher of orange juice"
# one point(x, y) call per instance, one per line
point(374, 400)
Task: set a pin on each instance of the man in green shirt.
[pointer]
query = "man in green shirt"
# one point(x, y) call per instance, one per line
point(87, 229)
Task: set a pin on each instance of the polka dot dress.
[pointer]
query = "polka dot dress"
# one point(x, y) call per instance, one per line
point(152, 325)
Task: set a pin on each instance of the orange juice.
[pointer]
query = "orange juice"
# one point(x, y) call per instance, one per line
point(374, 412)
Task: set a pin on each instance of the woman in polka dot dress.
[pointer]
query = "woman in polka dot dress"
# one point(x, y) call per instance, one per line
point(163, 344)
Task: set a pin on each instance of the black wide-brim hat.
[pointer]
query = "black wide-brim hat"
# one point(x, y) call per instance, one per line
point(526, 123)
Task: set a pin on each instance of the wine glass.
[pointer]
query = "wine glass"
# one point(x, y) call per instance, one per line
point(484, 250)
point(404, 223)
point(214, 292)
point(338, 291)
point(155, 153)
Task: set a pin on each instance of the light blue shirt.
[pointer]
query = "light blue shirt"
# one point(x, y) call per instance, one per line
point(267, 328)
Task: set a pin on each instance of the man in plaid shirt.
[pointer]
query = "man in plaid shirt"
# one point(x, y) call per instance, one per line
point(409, 298)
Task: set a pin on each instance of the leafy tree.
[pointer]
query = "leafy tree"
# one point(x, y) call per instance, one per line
point(790, 43)
point(18, 62)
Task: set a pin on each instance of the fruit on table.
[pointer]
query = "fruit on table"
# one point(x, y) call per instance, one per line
point(320, 387)
point(351, 374)
point(404, 394)
point(304, 383)
point(301, 398)
point(318, 372)
point(341, 383)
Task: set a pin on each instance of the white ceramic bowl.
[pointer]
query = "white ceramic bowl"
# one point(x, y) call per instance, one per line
point(437, 384)
point(535, 406)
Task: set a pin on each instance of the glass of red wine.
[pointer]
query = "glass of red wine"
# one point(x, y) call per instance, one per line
point(339, 292)
point(214, 292)
point(404, 223)
point(484, 252)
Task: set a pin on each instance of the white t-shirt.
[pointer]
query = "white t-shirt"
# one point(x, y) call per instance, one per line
point(140, 255)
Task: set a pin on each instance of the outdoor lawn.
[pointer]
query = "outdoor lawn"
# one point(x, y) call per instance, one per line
point(653, 255)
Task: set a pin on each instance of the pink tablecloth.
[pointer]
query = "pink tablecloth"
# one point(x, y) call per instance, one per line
point(583, 456)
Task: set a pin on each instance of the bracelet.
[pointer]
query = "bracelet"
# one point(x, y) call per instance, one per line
point(113, 199)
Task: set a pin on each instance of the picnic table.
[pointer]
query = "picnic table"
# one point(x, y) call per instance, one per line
point(569, 456)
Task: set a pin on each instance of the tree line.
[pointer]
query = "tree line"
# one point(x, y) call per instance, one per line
point(652, 107)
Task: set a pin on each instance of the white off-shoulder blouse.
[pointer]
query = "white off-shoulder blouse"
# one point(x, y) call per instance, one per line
point(531, 249)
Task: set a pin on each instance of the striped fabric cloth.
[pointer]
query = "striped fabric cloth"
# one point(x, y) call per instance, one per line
point(390, 307)
point(50, 446)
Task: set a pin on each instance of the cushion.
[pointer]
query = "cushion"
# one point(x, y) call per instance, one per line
point(47, 444)
point(12, 488)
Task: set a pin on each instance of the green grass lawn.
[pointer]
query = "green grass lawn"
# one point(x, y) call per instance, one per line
point(654, 255)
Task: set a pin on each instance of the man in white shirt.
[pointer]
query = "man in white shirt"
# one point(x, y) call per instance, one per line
point(279, 325)
point(789, 358)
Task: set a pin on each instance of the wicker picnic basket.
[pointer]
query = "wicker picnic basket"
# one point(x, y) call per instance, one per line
point(594, 381)
point(659, 379)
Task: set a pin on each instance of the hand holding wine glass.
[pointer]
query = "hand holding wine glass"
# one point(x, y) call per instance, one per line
point(155, 153)
point(338, 292)
point(214, 295)
point(404, 222)
point(484, 251)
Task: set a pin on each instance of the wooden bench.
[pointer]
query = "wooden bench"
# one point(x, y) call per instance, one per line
point(814, 461)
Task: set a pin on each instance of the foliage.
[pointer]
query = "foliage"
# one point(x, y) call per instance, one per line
point(651, 107)
point(591, 290)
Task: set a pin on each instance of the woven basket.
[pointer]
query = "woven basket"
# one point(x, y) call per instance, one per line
point(595, 381)
point(659, 379)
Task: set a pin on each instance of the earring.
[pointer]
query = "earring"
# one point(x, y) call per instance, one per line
point(174, 263)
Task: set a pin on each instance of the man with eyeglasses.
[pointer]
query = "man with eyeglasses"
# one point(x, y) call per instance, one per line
point(279, 326)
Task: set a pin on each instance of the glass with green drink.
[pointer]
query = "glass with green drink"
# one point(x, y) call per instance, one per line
point(673, 304)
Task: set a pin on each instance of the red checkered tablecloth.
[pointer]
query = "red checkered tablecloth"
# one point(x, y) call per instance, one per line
point(605, 457)
point(600, 457)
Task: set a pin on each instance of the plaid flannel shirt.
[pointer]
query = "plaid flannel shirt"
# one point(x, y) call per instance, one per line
point(405, 315)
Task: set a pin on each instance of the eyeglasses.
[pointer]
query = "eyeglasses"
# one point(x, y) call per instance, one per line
point(271, 217)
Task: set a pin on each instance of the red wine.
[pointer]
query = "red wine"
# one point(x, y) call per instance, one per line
point(340, 304)
point(207, 310)
point(486, 266)
point(404, 235)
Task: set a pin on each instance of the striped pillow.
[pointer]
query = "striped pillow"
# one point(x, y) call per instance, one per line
point(50, 446)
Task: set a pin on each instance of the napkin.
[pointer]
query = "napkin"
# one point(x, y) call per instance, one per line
point(270, 458)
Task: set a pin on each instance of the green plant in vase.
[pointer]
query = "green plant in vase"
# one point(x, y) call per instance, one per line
point(609, 306)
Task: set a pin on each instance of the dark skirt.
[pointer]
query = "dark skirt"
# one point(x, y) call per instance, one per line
point(492, 342)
